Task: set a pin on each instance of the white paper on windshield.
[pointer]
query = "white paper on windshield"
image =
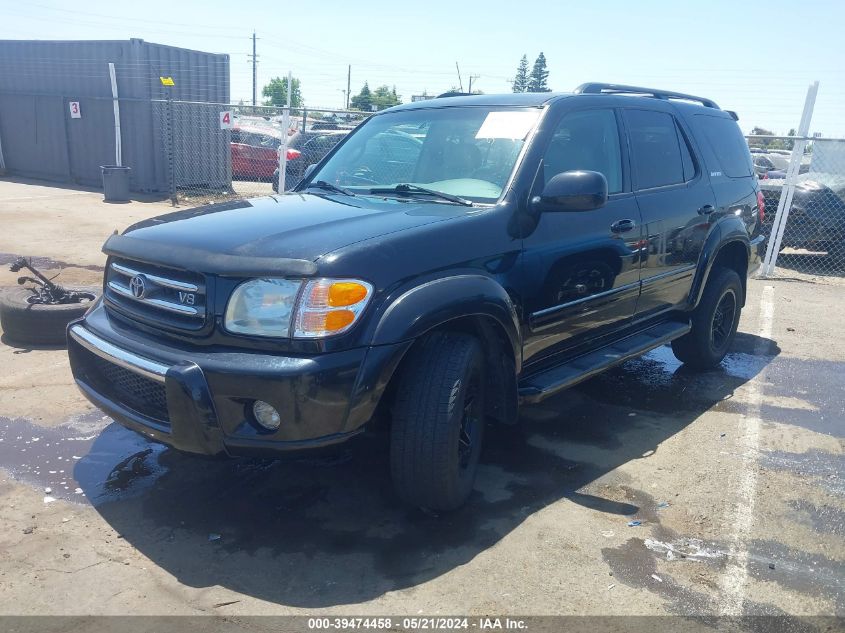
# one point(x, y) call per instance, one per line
point(513, 125)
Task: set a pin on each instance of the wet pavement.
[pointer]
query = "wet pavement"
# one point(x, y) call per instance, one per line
point(548, 524)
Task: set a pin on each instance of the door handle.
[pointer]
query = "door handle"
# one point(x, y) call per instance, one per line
point(622, 226)
point(707, 209)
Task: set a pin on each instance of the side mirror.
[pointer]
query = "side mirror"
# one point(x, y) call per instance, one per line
point(308, 170)
point(573, 191)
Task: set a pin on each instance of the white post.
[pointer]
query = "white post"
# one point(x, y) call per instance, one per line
point(118, 150)
point(283, 148)
point(785, 202)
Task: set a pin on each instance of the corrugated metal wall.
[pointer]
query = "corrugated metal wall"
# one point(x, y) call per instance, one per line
point(38, 79)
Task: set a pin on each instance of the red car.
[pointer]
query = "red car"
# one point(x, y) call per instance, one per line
point(255, 152)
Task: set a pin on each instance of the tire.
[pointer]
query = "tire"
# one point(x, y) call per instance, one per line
point(438, 422)
point(38, 324)
point(713, 331)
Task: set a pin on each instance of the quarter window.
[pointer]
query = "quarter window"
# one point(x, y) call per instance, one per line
point(686, 157)
point(587, 140)
point(728, 145)
point(655, 149)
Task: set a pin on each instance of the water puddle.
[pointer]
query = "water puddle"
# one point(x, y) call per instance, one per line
point(85, 459)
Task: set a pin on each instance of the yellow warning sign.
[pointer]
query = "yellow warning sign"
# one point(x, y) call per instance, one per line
point(166, 81)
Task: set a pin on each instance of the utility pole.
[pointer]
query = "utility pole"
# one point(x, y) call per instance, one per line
point(348, 83)
point(460, 82)
point(471, 77)
point(254, 73)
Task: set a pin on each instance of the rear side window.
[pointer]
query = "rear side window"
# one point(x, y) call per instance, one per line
point(727, 144)
point(655, 148)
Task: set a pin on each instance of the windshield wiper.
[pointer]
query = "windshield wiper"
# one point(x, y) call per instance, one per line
point(322, 184)
point(409, 188)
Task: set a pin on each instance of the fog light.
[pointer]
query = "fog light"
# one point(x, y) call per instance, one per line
point(266, 415)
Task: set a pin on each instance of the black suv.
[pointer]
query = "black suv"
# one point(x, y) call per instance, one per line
point(448, 261)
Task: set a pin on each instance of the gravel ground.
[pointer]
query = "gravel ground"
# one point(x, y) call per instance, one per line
point(735, 475)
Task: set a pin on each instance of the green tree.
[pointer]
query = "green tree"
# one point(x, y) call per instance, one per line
point(789, 142)
point(520, 81)
point(382, 97)
point(385, 97)
point(277, 93)
point(537, 81)
point(760, 142)
point(363, 100)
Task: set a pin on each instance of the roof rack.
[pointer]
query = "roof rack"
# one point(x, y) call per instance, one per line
point(454, 93)
point(618, 89)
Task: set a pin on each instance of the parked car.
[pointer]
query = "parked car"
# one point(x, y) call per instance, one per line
point(254, 152)
point(305, 148)
point(775, 164)
point(816, 219)
point(508, 247)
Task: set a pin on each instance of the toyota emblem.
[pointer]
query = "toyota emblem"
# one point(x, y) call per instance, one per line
point(138, 286)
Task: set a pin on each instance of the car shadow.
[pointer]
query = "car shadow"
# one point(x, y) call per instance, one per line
point(329, 531)
point(26, 348)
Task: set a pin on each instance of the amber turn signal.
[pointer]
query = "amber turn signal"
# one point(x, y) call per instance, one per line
point(346, 293)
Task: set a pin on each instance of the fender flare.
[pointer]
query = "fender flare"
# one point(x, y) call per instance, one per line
point(418, 310)
point(728, 231)
point(430, 304)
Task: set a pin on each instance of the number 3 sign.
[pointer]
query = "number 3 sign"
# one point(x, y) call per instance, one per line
point(226, 120)
point(75, 112)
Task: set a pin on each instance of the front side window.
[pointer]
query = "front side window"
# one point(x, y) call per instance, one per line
point(466, 151)
point(655, 149)
point(586, 140)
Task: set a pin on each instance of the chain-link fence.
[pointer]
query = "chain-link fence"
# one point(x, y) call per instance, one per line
point(218, 151)
point(813, 239)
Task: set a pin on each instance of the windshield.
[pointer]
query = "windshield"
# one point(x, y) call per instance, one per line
point(462, 151)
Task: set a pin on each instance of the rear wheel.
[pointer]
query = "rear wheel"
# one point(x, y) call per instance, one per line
point(714, 322)
point(438, 421)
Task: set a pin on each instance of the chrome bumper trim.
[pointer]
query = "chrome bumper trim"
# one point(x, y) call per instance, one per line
point(107, 351)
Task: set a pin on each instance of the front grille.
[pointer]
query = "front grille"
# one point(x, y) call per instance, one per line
point(157, 294)
point(141, 394)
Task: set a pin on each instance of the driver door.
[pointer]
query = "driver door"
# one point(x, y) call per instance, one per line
point(582, 267)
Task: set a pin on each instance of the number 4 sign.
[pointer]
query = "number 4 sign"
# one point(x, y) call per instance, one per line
point(226, 120)
point(75, 112)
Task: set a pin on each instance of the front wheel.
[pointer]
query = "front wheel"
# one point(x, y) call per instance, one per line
point(438, 421)
point(714, 322)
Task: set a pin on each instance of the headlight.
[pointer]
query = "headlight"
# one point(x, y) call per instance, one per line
point(330, 306)
point(265, 307)
point(262, 307)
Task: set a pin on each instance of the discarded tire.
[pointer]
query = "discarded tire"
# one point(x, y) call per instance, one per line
point(39, 324)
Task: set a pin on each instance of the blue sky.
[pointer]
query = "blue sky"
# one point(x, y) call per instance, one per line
point(754, 57)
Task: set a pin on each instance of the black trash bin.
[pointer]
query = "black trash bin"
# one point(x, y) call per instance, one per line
point(115, 183)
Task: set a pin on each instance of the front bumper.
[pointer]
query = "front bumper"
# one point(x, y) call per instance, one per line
point(200, 401)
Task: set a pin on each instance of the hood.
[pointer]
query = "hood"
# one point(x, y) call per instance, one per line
point(293, 226)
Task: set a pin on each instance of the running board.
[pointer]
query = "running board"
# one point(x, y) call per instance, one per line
point(537, 387)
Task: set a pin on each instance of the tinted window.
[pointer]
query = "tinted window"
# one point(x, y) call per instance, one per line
point(586, 140)
point(726, 141)
point(655, 148)
point(319, 146)
point(686, 157)
point(762, 161)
